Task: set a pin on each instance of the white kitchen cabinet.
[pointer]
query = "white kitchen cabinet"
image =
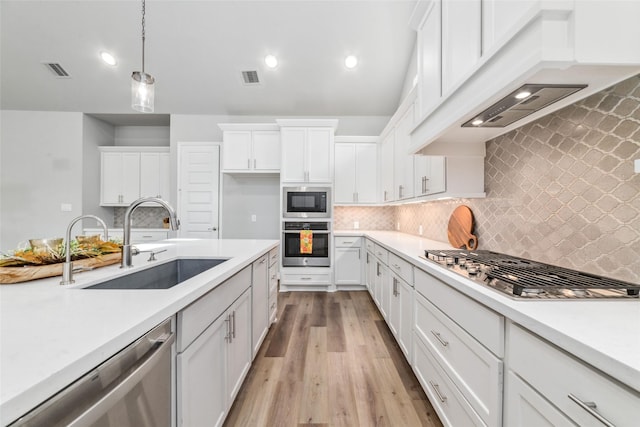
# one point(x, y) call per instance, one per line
point(274, 263)
point(403, 161)
point(461, 40)
point(499, 17)
point(120, 178)
point(387, 167)
point(307, 151)
point(429, 58)
point(355, 168)
point(429, 174)
point(128, 173)
point(400, 319)
point(155, 175)
point(260, 301)
point(138, 235)
point(250, 148)
point(214, 351)
point(348, 264)
point(584, 395)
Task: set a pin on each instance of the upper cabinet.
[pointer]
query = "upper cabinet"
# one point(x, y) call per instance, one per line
point(128, 173)
point(473, 55)
point(250, 148)
point(307, 150)
point(355, 170)
point(403, 159)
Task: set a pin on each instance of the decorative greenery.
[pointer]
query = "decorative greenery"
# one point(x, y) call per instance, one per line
point(44, 256)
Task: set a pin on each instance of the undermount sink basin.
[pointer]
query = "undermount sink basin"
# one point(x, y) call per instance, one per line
point(162, 276)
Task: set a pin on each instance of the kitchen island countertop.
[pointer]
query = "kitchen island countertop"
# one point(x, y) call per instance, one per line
point(50, 335)
point(603, 333)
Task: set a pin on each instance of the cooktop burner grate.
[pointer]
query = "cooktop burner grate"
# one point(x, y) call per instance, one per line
point(529, 275)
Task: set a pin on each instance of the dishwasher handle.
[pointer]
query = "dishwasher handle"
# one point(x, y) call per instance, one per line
point(146, 364)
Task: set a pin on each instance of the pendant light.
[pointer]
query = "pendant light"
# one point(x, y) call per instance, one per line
point(142, 84)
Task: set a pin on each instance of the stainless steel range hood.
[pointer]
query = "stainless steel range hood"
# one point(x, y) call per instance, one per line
point(526, 100)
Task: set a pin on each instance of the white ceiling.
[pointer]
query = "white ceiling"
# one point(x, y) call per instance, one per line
point(197, 49)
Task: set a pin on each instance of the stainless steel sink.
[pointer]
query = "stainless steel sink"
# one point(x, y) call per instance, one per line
point(161, 276)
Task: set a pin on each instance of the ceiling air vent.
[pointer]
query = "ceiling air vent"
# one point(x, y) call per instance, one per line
point(250, 78)
point(57, 69)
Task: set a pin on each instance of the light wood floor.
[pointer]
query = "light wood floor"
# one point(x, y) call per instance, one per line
point(330, 360)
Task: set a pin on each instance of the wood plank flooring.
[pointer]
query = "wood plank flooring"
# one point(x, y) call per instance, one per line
point(330, 360)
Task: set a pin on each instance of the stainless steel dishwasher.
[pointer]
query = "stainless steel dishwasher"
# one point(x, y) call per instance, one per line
point(131, 389)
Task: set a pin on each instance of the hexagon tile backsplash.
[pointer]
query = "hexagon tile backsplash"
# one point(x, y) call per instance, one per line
point(560, 190)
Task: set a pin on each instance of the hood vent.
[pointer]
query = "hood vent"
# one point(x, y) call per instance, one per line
point(57, 69)
point(520, 103)
point(250, 78)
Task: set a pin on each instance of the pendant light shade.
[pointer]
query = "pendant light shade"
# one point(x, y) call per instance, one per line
point(142, 92)
point(142, 84)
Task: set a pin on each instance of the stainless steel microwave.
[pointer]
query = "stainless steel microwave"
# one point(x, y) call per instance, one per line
point(306, 202)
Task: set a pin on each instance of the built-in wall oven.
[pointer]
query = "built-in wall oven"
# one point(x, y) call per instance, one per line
point(296, 252)
point(306, 202)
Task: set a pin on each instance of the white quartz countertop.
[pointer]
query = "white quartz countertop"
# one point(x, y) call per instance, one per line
point(603, 333)
point(51, 335)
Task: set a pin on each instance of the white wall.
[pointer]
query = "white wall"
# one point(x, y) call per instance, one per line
point(409, 78)
point(250, 195)
point(142, 136)
point(95, 133)
point(41, 169)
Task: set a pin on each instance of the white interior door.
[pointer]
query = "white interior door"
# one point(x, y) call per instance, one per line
point(198, 190)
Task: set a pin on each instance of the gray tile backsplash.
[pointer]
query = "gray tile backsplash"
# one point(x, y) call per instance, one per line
point(561, 189)
point(143, 217)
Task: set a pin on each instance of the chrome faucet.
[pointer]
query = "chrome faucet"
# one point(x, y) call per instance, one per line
point(67, 268)
point(126, 240)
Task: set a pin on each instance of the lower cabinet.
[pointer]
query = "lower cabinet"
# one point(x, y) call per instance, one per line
point(260, 301)
point(273, 284)
point(214, 351)
point(401, 313)
point(348, 260)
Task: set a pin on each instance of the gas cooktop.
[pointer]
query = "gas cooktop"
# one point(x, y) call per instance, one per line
point(525, 279)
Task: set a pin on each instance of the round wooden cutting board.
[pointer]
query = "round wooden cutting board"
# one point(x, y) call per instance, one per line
point(460, 229)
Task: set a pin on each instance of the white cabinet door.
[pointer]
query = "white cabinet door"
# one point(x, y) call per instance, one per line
point(236, 153)
point(370, 271)
point(260, 302)
point(404, 161)
point(319, 155)
point(429, 60)
point(266, 150)
point(111, 178)
point(405, 306)
point(348, 265)
point(131, 177)
point(499, 17)
point(165, 176)
point(345, 173)
point(393, 310)
point(293, 168)
point(239, 356)
point(150, 175)
point(526, 408)
point(366, 173)
point(429, 175)
point(202, 386)
point(461, 40)
point(386, 167)
point(384, 291)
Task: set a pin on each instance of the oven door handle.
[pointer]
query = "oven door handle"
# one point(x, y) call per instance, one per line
point(298, 231)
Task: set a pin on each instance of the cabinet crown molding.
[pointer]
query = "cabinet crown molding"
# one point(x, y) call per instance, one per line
point(248, 126)
point(332, 123)
point(131, 149)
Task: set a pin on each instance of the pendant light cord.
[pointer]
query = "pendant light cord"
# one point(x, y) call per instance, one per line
point(143, 34)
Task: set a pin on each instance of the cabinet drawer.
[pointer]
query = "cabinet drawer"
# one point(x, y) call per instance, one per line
point(566, 382)
point(472, 368)
point(195, 318)
point(451, 406)
point(401, 267)
point(369, 245)
point(381, 253)
point(481, 323)
point(307, 279)
point(348, 241)
point(273, 257)
point(140, 236)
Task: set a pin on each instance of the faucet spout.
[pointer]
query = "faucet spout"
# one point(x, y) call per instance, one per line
point(174, 223)
point(67, 268)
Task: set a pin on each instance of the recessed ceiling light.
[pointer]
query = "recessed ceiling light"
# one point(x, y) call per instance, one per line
point(271, 61)
point(108, 58)
point(477, 122)
point(522, 95)
point(350, 61)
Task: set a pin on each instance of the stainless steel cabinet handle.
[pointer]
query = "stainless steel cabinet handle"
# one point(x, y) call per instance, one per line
point(227, 321)
point(248, 163)
point(367, 257)
point(377, 269)
point(263, 260)
point(590, 407)
point(255, 164)
point(396, 266)
point(436, 388)
point(400, 191)
point(385, 195)
point(442, 341)
point(359, 254)
point(426, 186)
point(395, 287)
point(212, 229)
point(233, 329)
point(305, 278)
point(347, 243)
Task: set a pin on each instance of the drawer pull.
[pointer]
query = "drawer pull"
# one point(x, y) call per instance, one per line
point(396, 266)
point(263, 260)
point(347, 243)
point(590, 407)
point(437, 335)
point(436, 388)
point(305, 278)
